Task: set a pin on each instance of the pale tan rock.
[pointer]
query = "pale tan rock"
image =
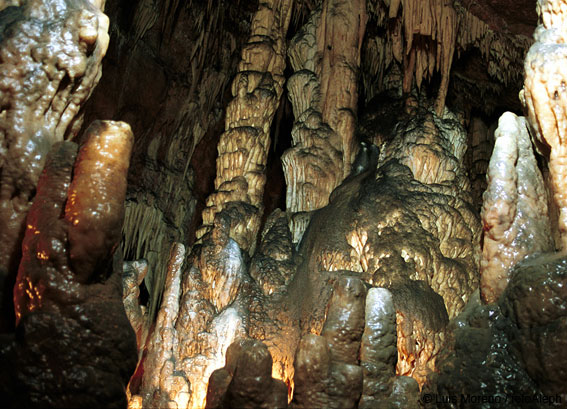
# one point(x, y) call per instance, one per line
point(411, 221)
point(544, 97)
point(515, 212)
point(323, 92)
point(132, 277)
point(161, 385)
point(243, 147)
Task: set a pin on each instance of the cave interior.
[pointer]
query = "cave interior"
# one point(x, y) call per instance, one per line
point(283, 204)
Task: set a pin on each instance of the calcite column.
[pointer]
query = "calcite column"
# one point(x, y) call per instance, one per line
point(324, 95)
point(243, 147)
point(545, 98)
point(514, 212)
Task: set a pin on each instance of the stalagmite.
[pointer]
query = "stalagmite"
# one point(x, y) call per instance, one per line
point(51, 56)
point(514, 213)
point(202, 313)
point(161, 385)
point(326, 366)
point(545, 98)
point(243, 147)
point(99, 177)
point(421, 336)
point(378, 352)
point(68, 304)
point(324, 95)
point(536, 303)
point(132, 277)
point(93, 214)
point(426, 229)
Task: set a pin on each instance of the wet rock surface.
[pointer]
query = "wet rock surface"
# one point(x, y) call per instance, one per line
point(73, 344)
point(425, 230)
point(51, 61)
point(515, 213)
point(535, 301)
point(246, 380)
point(479, 361)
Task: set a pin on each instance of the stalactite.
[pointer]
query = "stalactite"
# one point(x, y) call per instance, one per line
point(144, 234)
point(243, 147)
point(324, 95)
point(424, 36)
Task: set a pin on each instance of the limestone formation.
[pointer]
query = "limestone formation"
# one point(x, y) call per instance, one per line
point(132, 277)
point(246, 380)
point(427, 204)
point(361, 295)
point(324, 95)
point(243, 147)
point(421, 335)
point(378, 351)
point(480, 334)
point(544, 96)
point(535, 302)
point(161, 385)
point(68, 304)
point(424, 37)
point(272, 265)
point(352, 363)
point(515, 214)
point(50, 63)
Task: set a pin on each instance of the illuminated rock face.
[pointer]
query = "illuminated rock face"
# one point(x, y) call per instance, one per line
point(51, 61)
point(324, 94)
point(426, 203)
point(74, 346)
point(397, 225)
point(244, 146)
